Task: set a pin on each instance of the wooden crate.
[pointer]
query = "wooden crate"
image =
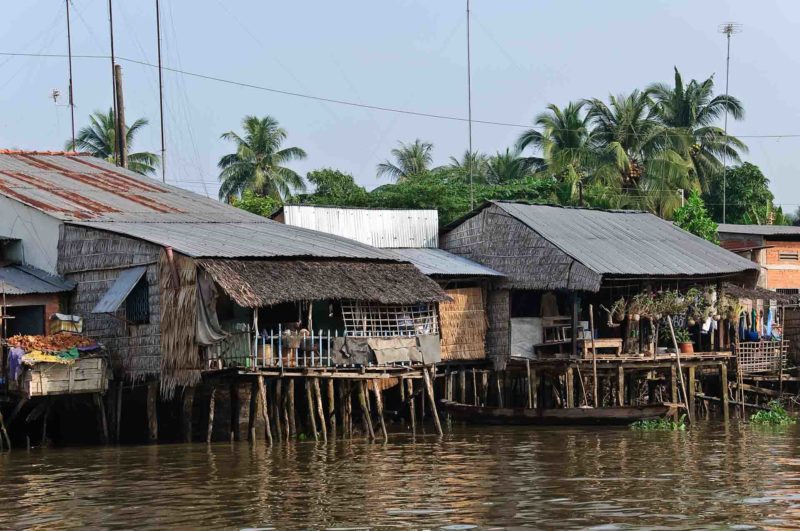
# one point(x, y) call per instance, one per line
point(86, 375)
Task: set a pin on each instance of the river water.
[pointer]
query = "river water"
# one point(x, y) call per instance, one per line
point(709, 477)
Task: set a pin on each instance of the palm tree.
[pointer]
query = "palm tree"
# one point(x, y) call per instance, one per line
point(259, 162)
point(477, 162)
point(410, 159)
point(99, 140)
point(693, 109)
point(507, 166)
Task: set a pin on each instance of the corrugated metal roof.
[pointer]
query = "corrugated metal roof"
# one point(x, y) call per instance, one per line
point(244, 240)
point(119, 290)
point(27, 280)
point(388, 228)
point(94, 193)
point(759, 230)
point(438, 262)
point(626, 242)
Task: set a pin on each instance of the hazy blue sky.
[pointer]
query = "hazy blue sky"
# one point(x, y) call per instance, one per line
point(406, 54)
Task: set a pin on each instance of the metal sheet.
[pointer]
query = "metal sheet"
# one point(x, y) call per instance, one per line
point(759, 230)
point(26, 280)
point(120, 290)
point(438, 262)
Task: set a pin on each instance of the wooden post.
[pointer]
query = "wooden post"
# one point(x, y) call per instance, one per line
point(499, 382)
point(331, 408)
point(575, 308)
point(474, 388)
point(569, 378)
point(689, 412)
point(484, 387)
point(620, 386)
point(411, 406)
point(211, 405)
point(279, 410)
point(310, 400)
point(289, 411)
point(152, 414)
point(101, 417)
point(462, 386)
point(186, 413)
point(365, 416)
point(594, 357)
point(530, 383)
point(4, 432)
point(349, 407)
point(692, 388)
point(379, 406)
point(723, 382)
point(121, 127)
point(262, 392)
point(429, 386)
point(673, 378)
point(320, 409)
point(118, 416)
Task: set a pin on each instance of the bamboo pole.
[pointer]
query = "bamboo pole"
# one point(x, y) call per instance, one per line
point(594, 356)
point(432, 399)
point(411, 406)
point(211, 405)
point(680, 369)
point(310, 400)
point(320, 409)
point(379, 406)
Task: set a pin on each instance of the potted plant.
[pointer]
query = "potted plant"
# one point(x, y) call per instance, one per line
point(684, 342)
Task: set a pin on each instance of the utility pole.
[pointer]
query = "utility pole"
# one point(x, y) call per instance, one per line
point(161, 96)
point(470, 159)
point(71, 96)
point(123, 148)
point(117, 151)
point(729, 28)
point(683, 198)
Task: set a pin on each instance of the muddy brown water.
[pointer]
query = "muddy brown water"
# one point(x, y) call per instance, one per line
point(712, 476)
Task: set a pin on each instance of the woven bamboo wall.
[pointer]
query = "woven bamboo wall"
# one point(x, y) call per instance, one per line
point(94, 259)
point(462, 324)
point(498, 307)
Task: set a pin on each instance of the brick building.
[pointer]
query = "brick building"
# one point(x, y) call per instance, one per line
point(775, 248)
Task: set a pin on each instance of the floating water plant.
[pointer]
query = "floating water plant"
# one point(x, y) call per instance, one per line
point(776, 415)
point(660, 424)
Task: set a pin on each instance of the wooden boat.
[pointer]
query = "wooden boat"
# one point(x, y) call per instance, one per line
point(611, 416)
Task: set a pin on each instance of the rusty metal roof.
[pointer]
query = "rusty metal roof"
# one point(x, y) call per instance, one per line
point(91, 192)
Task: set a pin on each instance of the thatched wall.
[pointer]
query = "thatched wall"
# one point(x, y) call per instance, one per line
point(498, 336)
point(94, 259)
point(462, 325)
point(258, 283)
point(500, 241)
point(181, 363)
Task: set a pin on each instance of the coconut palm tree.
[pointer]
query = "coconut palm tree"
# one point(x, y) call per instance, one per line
point(475, 161)
point(693, 109)
point(259, 162)
point(99, 140)
point(507, 166)
point(409, 160)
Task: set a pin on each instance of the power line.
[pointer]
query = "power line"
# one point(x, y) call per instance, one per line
point(332, 100)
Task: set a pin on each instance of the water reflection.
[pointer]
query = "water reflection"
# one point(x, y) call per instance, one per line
point(708, 477)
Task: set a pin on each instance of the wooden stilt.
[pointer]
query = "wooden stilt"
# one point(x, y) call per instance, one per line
point(101, 417)
point(320, 409)
point(569, 387)
point(484, 387)
point(723, 381)
point(289, 417)
point(620, 386)
point(211, 405)
point(462, 386)
point(349, 407)
point(499, 382)
point(429, 386)
point(332, 408)
point(44, 441)
point(152, 414)
point(379, 406)
point(4, 432)
point(474, 387)
point(310, 400)
point(530, 383)
point(279, 410)
point(535, 387)
point(362, 400)
point(692, 388)
point(186, 413)
point(411, 406)
point(673, 379)
point(262, 392)
point(118, 415)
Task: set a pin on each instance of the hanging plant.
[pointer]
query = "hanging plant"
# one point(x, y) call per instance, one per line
point(618, 310)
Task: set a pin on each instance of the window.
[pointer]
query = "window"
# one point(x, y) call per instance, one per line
point(788, 291)
point(380, 320)
point(788, 255)
point(27, 320)
point(137, 304)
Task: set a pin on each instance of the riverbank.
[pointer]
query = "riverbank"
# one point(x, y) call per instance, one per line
point(714, 475)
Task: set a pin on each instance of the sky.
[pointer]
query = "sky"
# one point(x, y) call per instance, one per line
point(401, 54)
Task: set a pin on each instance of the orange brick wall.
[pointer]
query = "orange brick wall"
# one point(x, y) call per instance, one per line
point(782, 278)
point(50, 302)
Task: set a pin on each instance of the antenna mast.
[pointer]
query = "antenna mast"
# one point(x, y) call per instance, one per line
point(161, 95)
point(470, 159)
point(117, 128)
point(71, 97)
point(728, 29)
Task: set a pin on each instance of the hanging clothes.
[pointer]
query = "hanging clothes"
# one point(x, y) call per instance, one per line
point(768, 326)
point(742, 325)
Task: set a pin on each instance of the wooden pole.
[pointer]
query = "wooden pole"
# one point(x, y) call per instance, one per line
point(262, 392)
point(211, 405)
point(462, 386)
point(289, 417)
point(379, 406)
point(530, 383)
point(723, 377)
point(429, 386)
point(362, 400)
point(331, 408)
point(692, 388)
point(152, 414)
point(320, 409)
point(121, 128)
point(620, 386)
point(118, 416)
point(594, 356)
point(474, 388)
point(484, 387)
point(310, 399)
point(673, 378)
point(101, 417)
point(186, 413)
point(280, 410)
point(349, 407)
point(680, 369)
point(569, 378)
point(411, 406)
point(4, 432)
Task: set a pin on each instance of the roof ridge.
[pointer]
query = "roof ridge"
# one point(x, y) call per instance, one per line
point(38, 152)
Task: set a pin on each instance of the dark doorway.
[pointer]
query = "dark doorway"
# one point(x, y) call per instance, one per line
point(27, 320)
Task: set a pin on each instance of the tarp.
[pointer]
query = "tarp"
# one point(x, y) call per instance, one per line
point(208, 330)
point(120, 290)
point(393, 349)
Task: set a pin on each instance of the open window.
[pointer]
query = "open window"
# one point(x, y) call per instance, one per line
point(131, 288)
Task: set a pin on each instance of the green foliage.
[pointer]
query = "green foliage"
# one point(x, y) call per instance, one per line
point(666, 424)
point(257, 204)
point(334, 188)
point(409, 160)
point(775, 416)
point(693, 217)
point(748, 198)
